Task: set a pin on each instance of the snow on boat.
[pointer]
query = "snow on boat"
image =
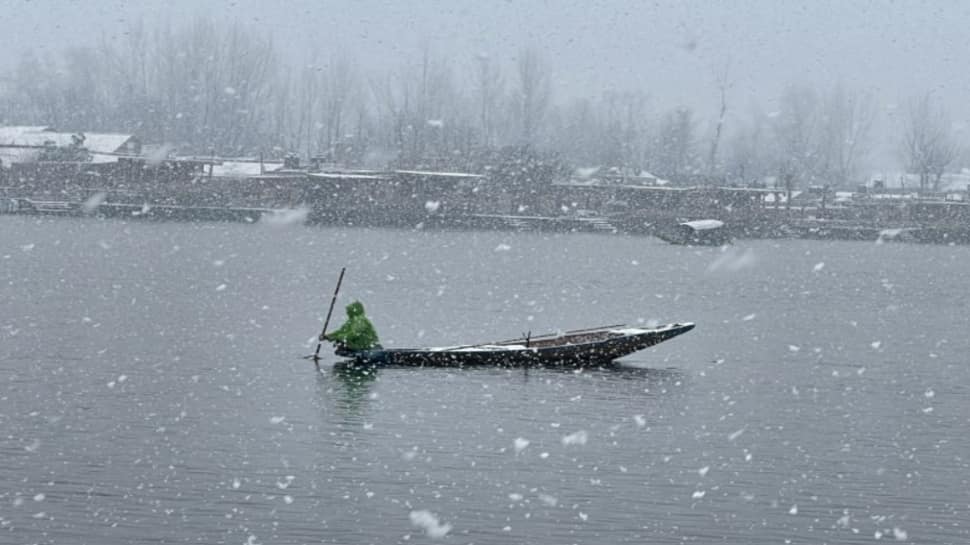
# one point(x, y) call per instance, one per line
point(708, 232)
point(581, 348)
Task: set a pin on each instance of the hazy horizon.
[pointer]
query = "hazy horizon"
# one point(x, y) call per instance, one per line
point(670, 51)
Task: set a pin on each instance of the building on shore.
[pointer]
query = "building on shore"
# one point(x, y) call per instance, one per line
point(29, 144)
point(50, 172)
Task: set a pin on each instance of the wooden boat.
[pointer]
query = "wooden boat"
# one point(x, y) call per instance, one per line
point(581, 348)
point(695, 233)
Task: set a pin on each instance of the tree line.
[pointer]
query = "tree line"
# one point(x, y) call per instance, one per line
point(206, 89)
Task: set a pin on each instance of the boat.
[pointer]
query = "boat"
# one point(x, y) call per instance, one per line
point(593, 347)
point(708, 232)
point(903, 234)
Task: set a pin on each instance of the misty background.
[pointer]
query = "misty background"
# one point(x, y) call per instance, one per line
point(740, 91)
point(152, 380)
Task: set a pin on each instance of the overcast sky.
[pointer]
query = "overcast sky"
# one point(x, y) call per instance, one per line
point(669, 49)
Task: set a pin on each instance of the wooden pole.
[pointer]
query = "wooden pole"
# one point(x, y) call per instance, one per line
point(326, 322)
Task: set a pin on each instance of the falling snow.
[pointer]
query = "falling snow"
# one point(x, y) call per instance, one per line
point(160, 296)
point(93, 202)
point(430, 524)
point(577, 438)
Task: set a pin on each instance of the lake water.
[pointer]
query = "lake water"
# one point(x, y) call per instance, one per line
point(151, 390)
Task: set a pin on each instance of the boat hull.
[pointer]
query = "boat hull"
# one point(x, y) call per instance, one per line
point(695, 233)
point(594, 349)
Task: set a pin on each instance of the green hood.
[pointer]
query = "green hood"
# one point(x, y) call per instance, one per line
point(357, 333)
point(355, 309)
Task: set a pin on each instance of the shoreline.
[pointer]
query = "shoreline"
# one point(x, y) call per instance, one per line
point(777, 228)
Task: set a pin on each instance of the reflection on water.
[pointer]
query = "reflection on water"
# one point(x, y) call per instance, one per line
point(354, 377)
point(349, 387)
point(355, 381)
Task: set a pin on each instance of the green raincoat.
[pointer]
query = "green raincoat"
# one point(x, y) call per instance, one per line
point(357, 333)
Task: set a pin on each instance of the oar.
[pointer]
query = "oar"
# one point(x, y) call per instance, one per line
point(316, 353)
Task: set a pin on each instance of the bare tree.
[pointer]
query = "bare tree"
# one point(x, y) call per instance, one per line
point(795, 132)
point(412, 105)
point(533, 94)
point(723, 82)
point(846, 126)
point(674, 153)
point(928, 144)
point(576, 130)
point(213, 86)
point(490, 90)
point(389, 113)
point(341, 82)
point(281, 112)
point(309, 96)
point(34, 91)
point(749, 155)
point(201, 85)
point(625, 126)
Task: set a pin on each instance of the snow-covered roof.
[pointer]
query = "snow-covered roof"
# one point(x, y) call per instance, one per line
point(429, 174)
point(107, 142)
point(893, 196)
point(766, 190)
point(12, 135)
point(40, 136)
point(579, 182)
point(781, 195)
point(654, 187)
point(104, 158)
point(704, 225)
point(243, 169)
point(844, 196)
point(344, 176)
point(615, 172)
point(11, 132)
point(949, 182)
point(595, 182)
point(9, 156)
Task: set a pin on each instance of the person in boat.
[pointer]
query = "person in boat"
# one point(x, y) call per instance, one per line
point(357, 333)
